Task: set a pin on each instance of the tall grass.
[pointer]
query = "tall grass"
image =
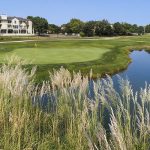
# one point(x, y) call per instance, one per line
point(66, 113)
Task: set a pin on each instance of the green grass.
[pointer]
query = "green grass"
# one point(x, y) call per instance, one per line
point(56, 55)
point(103, 56)
point(70, 119)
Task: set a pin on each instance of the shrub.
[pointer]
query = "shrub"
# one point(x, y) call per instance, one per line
point(82, 34)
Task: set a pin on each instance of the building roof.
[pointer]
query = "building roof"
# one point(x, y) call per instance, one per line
point(19, 18)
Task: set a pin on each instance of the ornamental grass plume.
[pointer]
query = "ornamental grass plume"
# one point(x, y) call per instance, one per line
point(117, 136)
point(70, 111)
point(13, 78)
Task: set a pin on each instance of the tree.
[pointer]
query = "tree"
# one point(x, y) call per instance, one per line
point(147, 28)
point(74, 26)
point(127, 27)
point(89, 28)
point(119, 29)
point(103, 28)
point(65, 28)
point(40, 24)
point(109, 30)
point(134, 28)
point(140, 30)
point(54, 29)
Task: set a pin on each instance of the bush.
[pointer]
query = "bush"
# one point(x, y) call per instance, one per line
point(82, 34)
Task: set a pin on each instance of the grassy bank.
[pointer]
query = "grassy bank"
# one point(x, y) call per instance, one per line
point(103, 55)
point(62, 114)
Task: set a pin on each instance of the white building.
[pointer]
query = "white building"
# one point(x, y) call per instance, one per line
point(12, 26)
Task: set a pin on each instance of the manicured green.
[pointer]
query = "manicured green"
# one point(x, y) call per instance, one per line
point(56, 55)
point(102, 55)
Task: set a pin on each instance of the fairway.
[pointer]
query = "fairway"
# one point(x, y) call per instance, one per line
point(57, 55)
point(103, 56)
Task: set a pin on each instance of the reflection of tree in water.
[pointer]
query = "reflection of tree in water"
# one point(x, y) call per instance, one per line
point(147, 51)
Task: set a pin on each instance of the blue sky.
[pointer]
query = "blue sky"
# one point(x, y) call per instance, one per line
point(61, 11)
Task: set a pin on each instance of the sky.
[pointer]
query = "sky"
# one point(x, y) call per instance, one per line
point(61, 11)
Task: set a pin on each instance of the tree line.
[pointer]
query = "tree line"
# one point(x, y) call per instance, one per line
point(89, 28)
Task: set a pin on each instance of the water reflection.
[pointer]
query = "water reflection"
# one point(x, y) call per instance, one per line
point(138, 72)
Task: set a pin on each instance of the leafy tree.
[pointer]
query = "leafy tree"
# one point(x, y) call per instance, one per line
point(65, 28)
point(147, 28)
point(109, 30)
point(40, 24)
point(100, 28)
point(54, 29)
point(74, 26)
point(119, 29)
point(140, 30)
point(127, 27)
point(103, 28)
point(89, 28)
point(134, 28)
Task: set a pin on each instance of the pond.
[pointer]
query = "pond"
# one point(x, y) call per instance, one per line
point(138, 72)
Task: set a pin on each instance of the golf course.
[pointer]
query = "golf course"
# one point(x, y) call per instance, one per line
point(102, 55)
point(58, 55)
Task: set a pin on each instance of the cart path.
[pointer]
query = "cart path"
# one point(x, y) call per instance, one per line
point(90, 39)
point(17, 41)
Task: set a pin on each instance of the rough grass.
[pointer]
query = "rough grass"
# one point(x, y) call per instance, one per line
point(104, 62)
point(61, 114)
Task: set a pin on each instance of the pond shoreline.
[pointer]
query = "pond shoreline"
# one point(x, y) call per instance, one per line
point(114, 72)
point(115, 61)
